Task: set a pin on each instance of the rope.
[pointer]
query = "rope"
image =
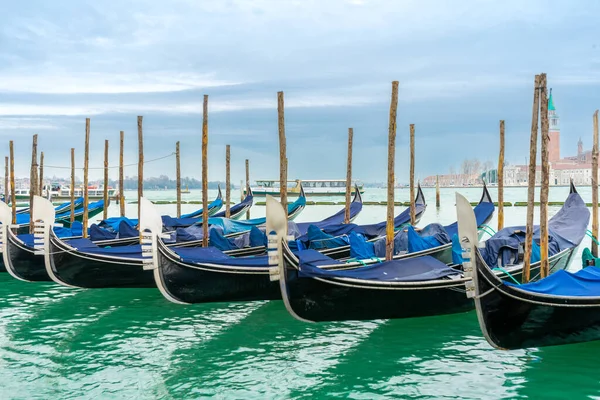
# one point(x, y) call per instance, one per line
point(113, 167)
point(488, 227)
point(589, 233)
point(507, 273)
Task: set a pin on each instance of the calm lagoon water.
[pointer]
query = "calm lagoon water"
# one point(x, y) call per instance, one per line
point(57, 342)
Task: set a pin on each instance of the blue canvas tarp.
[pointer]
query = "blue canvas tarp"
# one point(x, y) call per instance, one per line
point(87, 246)
point(236, 208)
point(408, 270)
point(215, 204)
point(211, 255)
point(335, 219)
point(566, 229)
point(585, 282)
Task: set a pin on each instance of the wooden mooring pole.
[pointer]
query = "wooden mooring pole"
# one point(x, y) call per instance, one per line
point(72, 210)
point(121, 172)
point(105, 194)
point(247, 185)
point(41, 179)
point(205, 171)
point(437, 191)
point(282, 152)
point(32, 182)
point(13, 195)
point(178, 178)
point(531, 180)
point(227, 181)
point(413, 210)
point(595, 187)
point(86, 164)
point(544, 190)
point(140, 128)
point(6, 184)
point(389, 243)
point(348, 176)
point(500, 178)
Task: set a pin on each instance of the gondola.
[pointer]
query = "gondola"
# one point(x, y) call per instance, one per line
point(562, 308)
point(23, 255)
point(231, 227)
point(416, 286)
point(213, 207)
point(237, 210)
point(197, 275)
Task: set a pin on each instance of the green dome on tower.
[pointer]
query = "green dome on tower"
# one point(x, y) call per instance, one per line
point(551, 102)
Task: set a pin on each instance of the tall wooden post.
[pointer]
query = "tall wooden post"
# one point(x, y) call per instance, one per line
point(105, 213)
point(86, 164)
point(531, 180)
point(13, 195)
point(227, 181)
point(282, 152)
point(247, 184)
point(72, 216)
point(6, 184)
point(140, 120)
point(437, 191)
point(413, 210)
point(32, 182)
point(41, 180)
point(178, 178)
point(348, 177)
point(545, 265)
point(389, 243)
point(500, 179)
point(121, 177)
point(205, 171)
point(595, 187)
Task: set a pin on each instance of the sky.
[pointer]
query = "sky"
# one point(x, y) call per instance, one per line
point(462, 66)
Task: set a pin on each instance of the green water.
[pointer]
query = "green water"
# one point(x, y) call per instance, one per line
point(63, 343)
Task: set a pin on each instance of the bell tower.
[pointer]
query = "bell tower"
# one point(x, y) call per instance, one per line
point(554, 131)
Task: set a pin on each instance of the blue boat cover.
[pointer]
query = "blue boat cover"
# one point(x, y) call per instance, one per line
point(216, 239)
point(237, 208)
point(319, 240)
point(335, 219)
point(211, 255)
point(566, 230)
point(257, 237)
point(215, 204)
point(409, 270)
point(483, 211)
point(457, 257)
point(115, 222)
point(229, 226)
point(91, 208)
point(67, 205)
point(585, 282)
point(87, 246)
point(360, 248)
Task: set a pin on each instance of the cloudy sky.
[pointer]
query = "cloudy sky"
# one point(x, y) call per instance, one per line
point(462, 67)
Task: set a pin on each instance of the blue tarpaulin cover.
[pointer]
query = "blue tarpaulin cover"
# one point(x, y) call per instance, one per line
point(566, 229)
point(87, 246)
point(211, 255)
point(482, 211)
point(236, 208)
point(408, 270)
point(335, 219)
point(360, 248)
point(318, 239)
point(215, 204)
point(229, 226)
point(585, 282)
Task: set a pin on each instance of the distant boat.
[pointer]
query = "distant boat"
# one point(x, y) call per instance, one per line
point(186, 191)
point(316, 187)
point(58, 192)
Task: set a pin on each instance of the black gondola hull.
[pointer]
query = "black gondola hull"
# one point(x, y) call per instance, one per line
point(188, 283)
point(24, 264)
point(72, 268)
point(514, 319)
point(320, 300)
